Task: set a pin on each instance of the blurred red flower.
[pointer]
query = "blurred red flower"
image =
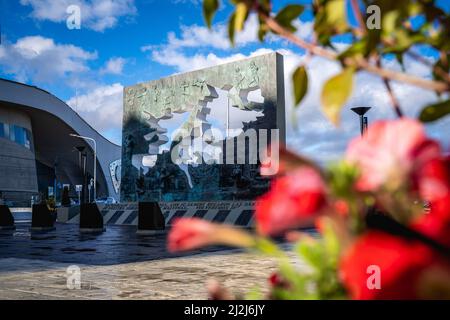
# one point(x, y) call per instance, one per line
point(341, 207)
point(188, 234)
point(403, 267)
point(291, 200)
point(390, 152)
point(192, 233)
point(433, 180)
point(434, 185)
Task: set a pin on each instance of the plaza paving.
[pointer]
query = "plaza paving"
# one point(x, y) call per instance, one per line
point(118, 264)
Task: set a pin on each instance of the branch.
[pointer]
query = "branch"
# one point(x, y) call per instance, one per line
point(394, 101)
point(437, 69)
point(357, 12)
point(437, 86)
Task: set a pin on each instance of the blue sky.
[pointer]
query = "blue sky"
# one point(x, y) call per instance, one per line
point(147, 22)
point(122, 42)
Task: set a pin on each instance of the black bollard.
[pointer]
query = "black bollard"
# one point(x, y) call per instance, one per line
point(91, 220)
point(6, 218)
point(150, 219)
point(42, 219)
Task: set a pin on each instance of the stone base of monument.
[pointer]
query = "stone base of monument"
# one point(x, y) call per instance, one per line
point(150, 219)
point(91, 220)
point(6, 219)
point(42, 219)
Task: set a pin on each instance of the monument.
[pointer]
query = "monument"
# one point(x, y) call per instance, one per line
point(198, 137)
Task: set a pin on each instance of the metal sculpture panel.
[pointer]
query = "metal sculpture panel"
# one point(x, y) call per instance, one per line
point(196, 136)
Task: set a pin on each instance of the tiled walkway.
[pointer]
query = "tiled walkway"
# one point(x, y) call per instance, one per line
point(117, 264)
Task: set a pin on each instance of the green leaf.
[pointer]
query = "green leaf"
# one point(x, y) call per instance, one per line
point(263, 29)
point(336, 15)
point(335, 92)
point(231, 28)
point(300, 79)
point(403, 41)
point(264, 6)
point(391, 21)
point(399, 58)
point(331, 242)
point(268, 247)
point(312, 252)
point(435, 111)
point(254, 294)
point(287, 14)
point(356, 49)
point(241, 15)
point(209, 10)
point(342, 176)
point(330, 19)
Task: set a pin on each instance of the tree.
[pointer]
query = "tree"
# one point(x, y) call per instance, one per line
point(384, 29)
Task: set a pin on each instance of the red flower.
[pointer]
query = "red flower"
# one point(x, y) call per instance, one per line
point(192, 233)
point(433, 179)
point(403, 267)
point(188, 234)
point(291, 201)
point(341, 207)
point(390, 152)
point(432, 226)
point(277, 281)
point(434, 185)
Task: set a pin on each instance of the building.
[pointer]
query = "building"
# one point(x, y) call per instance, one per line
point(37, 153)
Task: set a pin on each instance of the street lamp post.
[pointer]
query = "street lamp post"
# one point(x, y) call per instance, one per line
point(95, 160)
point(361, 111)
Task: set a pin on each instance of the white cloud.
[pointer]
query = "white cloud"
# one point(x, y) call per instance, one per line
point(101, 108)
point(195, 36)
point(200, 37)
point(97, 15)
point(42, 60)
point(183, 63)
point(173, 53)
point(304, 29)
point(113, 66)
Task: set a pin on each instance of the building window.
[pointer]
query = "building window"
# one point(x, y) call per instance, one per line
point(12, 133)
point(27, 139)
point(4, 130)
point(19, 134)
point(16, 134)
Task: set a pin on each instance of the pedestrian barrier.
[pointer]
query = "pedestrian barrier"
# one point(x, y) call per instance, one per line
point(6, 218)
point(42, 219)
point(150, 218)
point(238, 213)
point(91, 220)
